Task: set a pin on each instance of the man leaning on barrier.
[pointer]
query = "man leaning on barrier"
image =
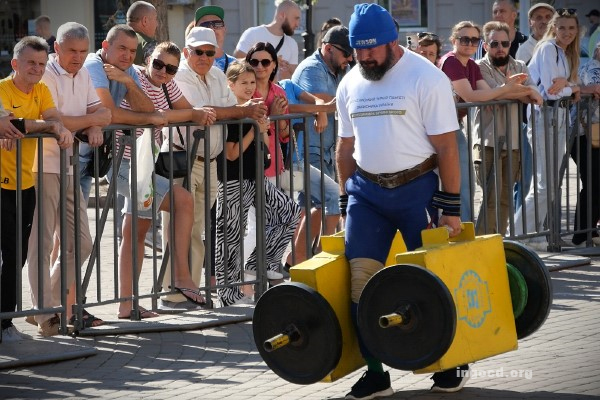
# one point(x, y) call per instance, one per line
point(205, 85)
point(499, 169)
point(31, 103)
point(115, 79)
point(80, 110)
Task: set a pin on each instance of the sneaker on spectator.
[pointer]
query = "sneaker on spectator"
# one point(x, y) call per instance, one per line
point(451, 380)
point(537, 244)
point(12, 334)
point(245, 300)
point(371, 385)
point(156, 243)
point(50, 326)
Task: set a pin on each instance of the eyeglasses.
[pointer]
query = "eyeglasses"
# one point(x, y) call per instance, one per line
point(566, 12)
point(265, 62)
point(170, 68)
point(465, 40)
point(345, 53)
point(495, 43)
point(421, 35)
point(216, 24)
point(199, 52)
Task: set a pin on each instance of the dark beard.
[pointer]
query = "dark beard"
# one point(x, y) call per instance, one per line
point(376, 72)
point(287, 29)
point(499, 61)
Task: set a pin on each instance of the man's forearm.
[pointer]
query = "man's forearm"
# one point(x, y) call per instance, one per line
point(40, 126)
point(137, 99)
point(127, 117)
point(346, 164)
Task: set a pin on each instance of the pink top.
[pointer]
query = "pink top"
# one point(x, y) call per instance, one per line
point(274, 90)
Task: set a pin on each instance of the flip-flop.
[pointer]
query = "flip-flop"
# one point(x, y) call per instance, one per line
point(183, 291)
point(144, 314)
point(88, 320)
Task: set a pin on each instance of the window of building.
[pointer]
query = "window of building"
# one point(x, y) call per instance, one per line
point(106, 15)
point(16, 21)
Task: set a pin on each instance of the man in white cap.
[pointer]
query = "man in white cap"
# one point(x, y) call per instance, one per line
point(397, 124)
point(203, 84)
point(539, 15)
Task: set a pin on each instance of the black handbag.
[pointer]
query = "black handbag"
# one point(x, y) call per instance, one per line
point(104, 156)
point(163, 165)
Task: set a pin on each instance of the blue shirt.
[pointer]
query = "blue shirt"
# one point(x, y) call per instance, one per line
point(293, 92)
point(95, 66)
point(224, 62)
point(314, 76)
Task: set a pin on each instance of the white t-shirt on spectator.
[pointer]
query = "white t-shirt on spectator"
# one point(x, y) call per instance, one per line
point(72, 95)
point(255, 34)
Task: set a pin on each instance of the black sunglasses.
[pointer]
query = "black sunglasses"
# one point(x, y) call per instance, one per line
point(265, 62)
point(345, 53)
point(566, 12)
point(421, 35)
point(496, 43)
point(465, 40)
point(199, 53)
point(216, 24)
point(170, 68)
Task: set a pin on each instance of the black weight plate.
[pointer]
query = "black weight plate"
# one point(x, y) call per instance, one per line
point(319, 349)
point(432, 317)
point(539, 287)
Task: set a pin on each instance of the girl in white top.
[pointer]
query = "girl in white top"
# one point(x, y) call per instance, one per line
point(554, 68)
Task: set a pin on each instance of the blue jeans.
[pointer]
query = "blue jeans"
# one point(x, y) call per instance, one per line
point(85, 180)
point(522, 185)
point(332, 191)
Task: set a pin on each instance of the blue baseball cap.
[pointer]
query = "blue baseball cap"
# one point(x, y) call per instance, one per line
point(370, 26)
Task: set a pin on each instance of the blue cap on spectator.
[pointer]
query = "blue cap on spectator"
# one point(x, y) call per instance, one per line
point(371, 25)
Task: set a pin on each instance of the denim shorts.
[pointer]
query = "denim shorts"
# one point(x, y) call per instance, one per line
point(161, 189)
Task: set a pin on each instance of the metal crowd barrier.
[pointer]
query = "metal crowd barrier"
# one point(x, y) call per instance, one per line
point(563, 177)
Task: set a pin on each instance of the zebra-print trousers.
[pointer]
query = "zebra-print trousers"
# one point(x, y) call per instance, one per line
point(282, 215)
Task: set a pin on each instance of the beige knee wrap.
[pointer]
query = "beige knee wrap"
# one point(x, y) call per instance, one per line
point(362, 269)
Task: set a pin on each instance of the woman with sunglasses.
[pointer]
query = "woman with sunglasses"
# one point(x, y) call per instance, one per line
point(554, 68)
point(156, 78)
point(469, 86)
point(282, 213)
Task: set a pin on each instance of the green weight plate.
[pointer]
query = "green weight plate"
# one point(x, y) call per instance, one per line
point(431, 317)
point(518, 290)
point(318, 348)
point(539, 287)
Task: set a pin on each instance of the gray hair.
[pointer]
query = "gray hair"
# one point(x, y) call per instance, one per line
point(35, 42)
point(71, 30)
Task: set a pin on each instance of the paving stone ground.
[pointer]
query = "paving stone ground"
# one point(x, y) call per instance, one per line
point(560, 361)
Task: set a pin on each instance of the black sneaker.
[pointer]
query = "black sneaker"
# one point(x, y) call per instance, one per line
point(451, 380)
point(371, 385)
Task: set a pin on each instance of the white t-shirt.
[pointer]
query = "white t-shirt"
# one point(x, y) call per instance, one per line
point(525, 50)
point(73, 95)
point(213, 92)
point(255, 34)
point(390, 119)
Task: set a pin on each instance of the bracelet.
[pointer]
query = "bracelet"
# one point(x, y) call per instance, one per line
point(19, 123)
point(343, 202)
point(449, 203)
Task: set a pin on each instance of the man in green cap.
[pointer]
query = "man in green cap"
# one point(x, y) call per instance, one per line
point(212, 17)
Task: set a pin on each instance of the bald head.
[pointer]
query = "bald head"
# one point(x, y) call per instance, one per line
point(286, 5)
point(143, 18)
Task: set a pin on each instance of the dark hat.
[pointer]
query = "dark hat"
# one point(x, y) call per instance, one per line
point(539, 5)
point(338, 35)
point(210, 10)
point(594, 12)
point(370, 26)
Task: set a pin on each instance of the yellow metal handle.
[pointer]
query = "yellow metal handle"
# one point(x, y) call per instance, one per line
point(276, 342)
point(389, 320)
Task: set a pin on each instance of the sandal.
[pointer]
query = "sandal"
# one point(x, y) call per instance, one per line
point(184, 292)
point(89, 320)
point(144, 314)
